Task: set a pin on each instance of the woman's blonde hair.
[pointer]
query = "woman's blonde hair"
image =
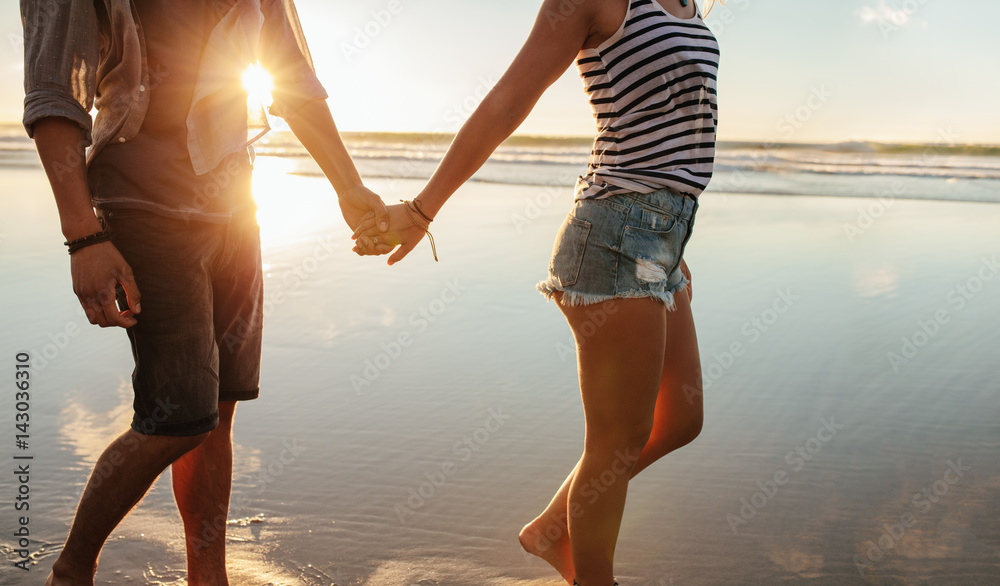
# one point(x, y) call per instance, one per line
point(708, 6)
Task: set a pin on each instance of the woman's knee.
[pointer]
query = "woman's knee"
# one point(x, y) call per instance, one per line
point(676, 437)
point(631, 438)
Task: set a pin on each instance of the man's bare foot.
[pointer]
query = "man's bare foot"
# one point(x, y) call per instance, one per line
point(549, 540)
point(61, 575)
point(61, 580)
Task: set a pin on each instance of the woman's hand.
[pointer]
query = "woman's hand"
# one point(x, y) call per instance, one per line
point(403, 232)
point(687, 273)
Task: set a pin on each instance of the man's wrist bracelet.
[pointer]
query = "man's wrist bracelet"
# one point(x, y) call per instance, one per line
point(81, 243)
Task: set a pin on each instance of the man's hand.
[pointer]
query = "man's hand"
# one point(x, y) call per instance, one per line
point(96, 271)
point(360, 202)
point(403, 232)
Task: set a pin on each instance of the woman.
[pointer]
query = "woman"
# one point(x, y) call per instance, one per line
point(649, 68)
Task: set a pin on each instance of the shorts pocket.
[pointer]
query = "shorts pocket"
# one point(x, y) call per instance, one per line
point(567, 255)
point(654, 220)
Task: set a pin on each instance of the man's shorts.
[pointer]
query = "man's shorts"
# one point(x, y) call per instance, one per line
point(198, 336)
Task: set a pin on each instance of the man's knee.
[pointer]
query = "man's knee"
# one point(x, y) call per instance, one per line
point(227, 411)
point(172, 447)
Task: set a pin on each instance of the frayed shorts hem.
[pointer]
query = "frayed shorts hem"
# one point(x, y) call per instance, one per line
point(573, 298)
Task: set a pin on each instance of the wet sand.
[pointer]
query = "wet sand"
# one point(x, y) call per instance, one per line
point(817, 451)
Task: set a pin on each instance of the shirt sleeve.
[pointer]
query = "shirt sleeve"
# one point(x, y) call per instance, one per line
point(284, 53)
point(61, 53)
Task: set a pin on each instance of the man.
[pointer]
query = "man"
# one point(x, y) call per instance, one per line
point(168, 172)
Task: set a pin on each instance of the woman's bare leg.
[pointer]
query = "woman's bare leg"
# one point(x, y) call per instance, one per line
point(677, 421)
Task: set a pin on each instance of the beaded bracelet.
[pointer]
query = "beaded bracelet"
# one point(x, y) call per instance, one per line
point(81, 243)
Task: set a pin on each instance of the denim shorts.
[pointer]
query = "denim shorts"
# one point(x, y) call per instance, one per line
point(198, 337)
point(622, 247)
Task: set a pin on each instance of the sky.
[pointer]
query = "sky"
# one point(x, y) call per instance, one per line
point(820, 71)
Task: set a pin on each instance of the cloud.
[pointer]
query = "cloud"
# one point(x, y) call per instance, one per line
point(891, 15)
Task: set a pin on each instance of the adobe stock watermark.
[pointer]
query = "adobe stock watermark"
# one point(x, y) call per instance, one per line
point(819, 96)
point(534, 206)
point(130, 442)
point(365, 34)
point(419, 321)
point(893, 533)
point(456, 115)
point(891, 17)
point(290, 281)
point(58, 342)
point(787, 127)
point(722, 16)
point(562, 12)
point(958, 298)
point(596, 318)
point(269, 472)
point(868, 214)
point(622, 465)
point(796, 460)
point(753, 330)
point(463, 450)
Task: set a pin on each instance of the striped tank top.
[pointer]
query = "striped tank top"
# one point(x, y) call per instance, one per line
point(652, 89)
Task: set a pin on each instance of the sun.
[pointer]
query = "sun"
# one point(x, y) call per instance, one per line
point(258, 84)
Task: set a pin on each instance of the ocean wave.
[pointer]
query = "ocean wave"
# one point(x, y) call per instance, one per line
point(949, 172)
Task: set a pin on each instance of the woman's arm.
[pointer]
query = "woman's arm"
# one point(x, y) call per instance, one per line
point(553, 44)
point(551, 48)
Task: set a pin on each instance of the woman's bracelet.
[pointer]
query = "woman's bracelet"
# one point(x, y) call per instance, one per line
point(81, 243)
point(422, 222)
point(419, 206)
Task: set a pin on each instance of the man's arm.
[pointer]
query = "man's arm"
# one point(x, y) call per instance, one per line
point(61, 54)
point(313, 125)
point(300, 99)
point(96, 269)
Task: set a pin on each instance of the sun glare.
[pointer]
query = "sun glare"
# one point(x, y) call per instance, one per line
point(259, 84)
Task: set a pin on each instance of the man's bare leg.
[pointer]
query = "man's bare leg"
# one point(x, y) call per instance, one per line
point(123, 474)
point(202, 480)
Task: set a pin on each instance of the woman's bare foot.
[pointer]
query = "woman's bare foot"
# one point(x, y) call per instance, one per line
point(549, 540)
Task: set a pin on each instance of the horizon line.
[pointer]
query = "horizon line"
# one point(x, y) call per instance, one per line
point(589, 137)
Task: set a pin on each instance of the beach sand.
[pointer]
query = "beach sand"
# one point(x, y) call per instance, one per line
point(815, 442)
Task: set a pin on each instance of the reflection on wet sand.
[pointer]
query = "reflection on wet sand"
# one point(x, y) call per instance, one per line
point(148, 547)
point(431, 572)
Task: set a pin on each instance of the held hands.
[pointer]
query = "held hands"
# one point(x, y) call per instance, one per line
point(359, 203)
point(404, 232)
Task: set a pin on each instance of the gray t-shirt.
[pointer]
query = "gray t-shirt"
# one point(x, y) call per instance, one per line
point(153, 171)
